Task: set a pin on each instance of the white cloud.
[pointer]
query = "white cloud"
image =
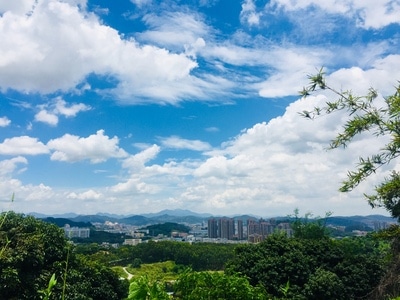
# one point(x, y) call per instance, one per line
point(382, 76)
point(8, 166)
point(62, 108)
point(370, 14)
point(60, 36)
point(271, 167)
point(96, 148)
point(46, 117)
point(174, 29)
point(4, 122)
point(23, 145)
point(175, 142)
point(137, 162)
point(17, 6)
point(249, 14)
point(87, 195)
point(58, 107)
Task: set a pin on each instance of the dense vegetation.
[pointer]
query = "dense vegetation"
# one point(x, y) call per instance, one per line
point(166, 228)
point(198, 256)
point(32, 251)
point(316, 268)
point(310, 265)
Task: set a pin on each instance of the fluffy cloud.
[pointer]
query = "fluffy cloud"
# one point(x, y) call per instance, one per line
point(46, 117)
point(49, 113)
point(275, 166)
point(88, 195)
point(23, 145)
point(96, 148)
point(62, 108)
point(60, 35)
point(4, 122)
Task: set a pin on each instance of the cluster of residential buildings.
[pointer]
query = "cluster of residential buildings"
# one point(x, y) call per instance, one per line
point(76, 232)
point(254, 230)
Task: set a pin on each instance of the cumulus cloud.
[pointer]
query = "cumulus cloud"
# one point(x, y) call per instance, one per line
point(273, 166)
point(49, 113)
point(22, 145)
point(62, 108)
point(96, 148)
point(17, 6)
point(4, 122)
point(87, 195)
point(46, 117)
point(60, 35)
point(382, 76)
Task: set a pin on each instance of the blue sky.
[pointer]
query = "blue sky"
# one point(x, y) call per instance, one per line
point(137, 106)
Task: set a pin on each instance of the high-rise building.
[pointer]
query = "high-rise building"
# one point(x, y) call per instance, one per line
point(226, 228)
point(212, 228)
point(253, 227)
point(240, 229)
point(266, 228)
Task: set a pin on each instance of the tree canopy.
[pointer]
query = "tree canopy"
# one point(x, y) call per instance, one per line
point(32, 251)
point(315, 268)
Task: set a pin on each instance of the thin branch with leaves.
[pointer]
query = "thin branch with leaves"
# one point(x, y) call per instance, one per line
point(364, 116)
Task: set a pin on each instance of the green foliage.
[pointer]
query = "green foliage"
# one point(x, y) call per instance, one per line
point(304, 228)
point(325, 285)
point(137, 262)
point(46, 293)
point(143, 288)
point(99, 236)
point(161, 271)
point(36, 251)
point(365, 116)
point(198, 256)
point(166, 228)
point(215, 285)
point(354, 265)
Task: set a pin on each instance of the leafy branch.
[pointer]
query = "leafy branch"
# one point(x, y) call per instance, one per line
point(364, 116)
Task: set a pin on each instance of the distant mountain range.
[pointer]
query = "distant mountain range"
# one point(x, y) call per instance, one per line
point(190, 217)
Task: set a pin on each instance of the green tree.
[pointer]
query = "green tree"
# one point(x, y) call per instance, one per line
point(365, 115)
point(304, 228)
point(35, 250)
point(325, 285)
point(272, 263)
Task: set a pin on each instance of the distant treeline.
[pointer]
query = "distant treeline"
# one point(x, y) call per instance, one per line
point(198, 256)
